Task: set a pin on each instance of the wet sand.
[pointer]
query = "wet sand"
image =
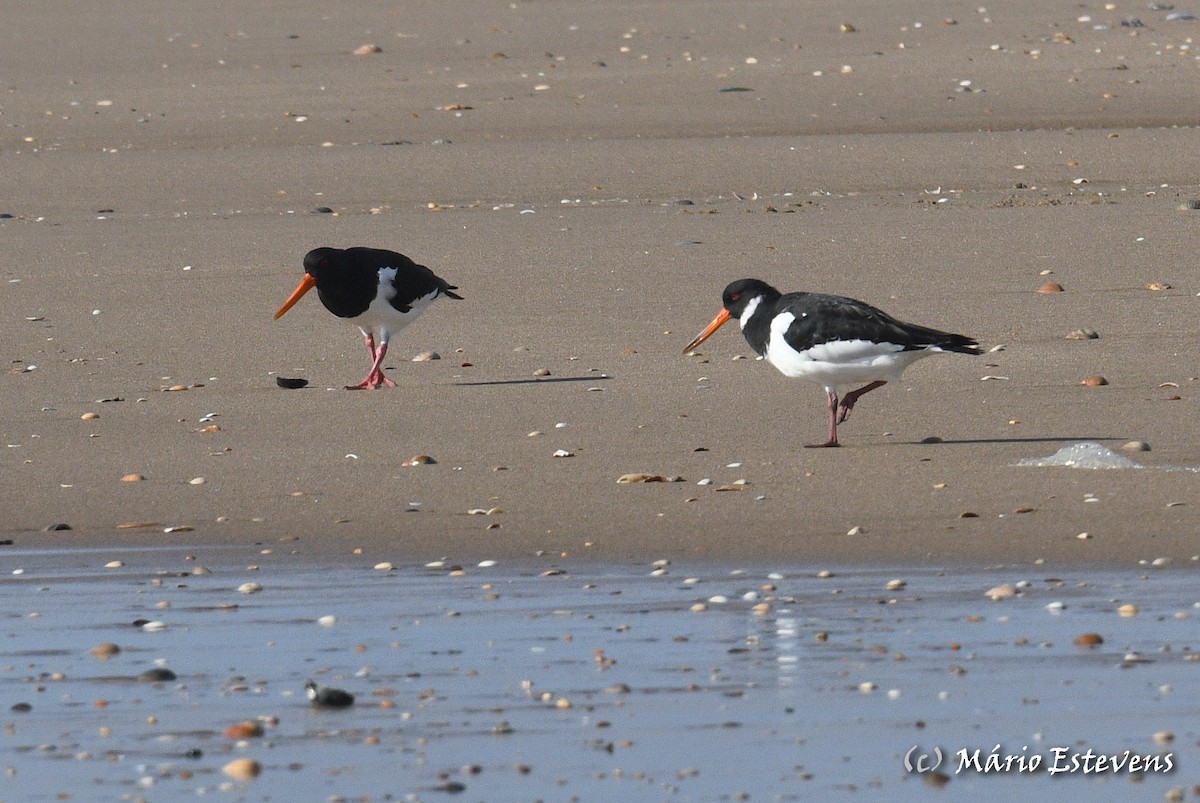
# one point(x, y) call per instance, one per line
point(689, 681)
point(586, 176)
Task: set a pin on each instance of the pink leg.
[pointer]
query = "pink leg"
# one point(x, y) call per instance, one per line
point(833, 422)
point(375, 377)
point(852, 397)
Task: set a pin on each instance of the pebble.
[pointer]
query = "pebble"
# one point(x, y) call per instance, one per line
point(328, 620)
point(1134, 446)
point(542, 372)
point(132, 478)
point(105, 651)
point(290, 384)
point(419, 460)
point(1051, 287)
point(196, 481)
point(563, 453)
point(367, 50)
point(328, 697)
point(1128, 610)
point(1089, 640)
point(90, 416)
point(1164, 737)
point(1082, 334)
point(250, 588)
point(157, 675)
point(114, 564)
point(246, 729)
point(1094, 381)
point(427, 356)
point(896, 585)
point(856, 530)
point(1001, 592)
point(242, 769)
point(384, 567)
point(56, 527)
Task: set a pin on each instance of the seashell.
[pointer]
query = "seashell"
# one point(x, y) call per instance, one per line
point(1051, 287)
point(626, 479)
point(1001, 592)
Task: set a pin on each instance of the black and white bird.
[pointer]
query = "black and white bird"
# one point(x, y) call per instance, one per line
point(831, 340)
point(381, 291)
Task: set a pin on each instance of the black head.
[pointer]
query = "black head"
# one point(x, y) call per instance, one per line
point(321, 260)
point(739, 294)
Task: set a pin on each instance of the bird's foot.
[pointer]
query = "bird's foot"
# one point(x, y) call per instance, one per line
point(827, 444)
point(371, 382)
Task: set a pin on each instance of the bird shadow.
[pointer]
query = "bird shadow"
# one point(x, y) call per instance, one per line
point(966, 441)
point(538, 380)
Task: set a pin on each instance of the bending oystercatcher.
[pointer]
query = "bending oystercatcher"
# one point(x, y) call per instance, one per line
point(829, 339)
point(381, 291)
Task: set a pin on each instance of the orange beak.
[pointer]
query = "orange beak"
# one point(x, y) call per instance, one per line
point(306, 284)
point(717, 322)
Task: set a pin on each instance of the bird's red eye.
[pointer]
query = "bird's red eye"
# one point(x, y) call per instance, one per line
point(735, 296)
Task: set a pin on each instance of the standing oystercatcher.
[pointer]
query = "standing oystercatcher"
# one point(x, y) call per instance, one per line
point(829, 339)
point(381, 291)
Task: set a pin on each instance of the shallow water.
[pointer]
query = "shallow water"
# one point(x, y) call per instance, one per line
point(824, 690)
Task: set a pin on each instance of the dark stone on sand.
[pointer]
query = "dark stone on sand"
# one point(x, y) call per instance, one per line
point(157, 675)
point(290, 384)
point(326, 697)
point(323, 210)
point(22, 708)
point(50, 528)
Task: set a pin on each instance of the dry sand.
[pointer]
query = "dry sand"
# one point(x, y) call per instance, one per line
point(162, 165)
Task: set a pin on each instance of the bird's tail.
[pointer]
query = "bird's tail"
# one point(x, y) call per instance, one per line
point(959, 343)
point(448, 291)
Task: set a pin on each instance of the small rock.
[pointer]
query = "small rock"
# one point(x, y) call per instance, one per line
point(328, 697)
point(427, 356)
point(1089, 640)
point(157, 675)
point(51, 528)
point(419, 460)
point(542, 372)
point(1001, 592)
point(1094, 381)
point(1082, 334)
point(133, 478)
point(290, 384)
point(246, 729)
point(562, 453)
point(1128, 610)
point(89, 416)
point(367, 50)
point(250, 588)
point(1158, 287)
point(242, 769)
point(1134, 446)
point(105, 651)
point(1050, 287)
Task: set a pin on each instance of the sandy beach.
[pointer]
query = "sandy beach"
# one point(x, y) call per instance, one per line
point(591, 175)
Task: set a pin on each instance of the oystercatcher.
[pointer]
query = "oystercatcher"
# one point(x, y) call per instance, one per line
point(829, 339)
point(381, 291)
